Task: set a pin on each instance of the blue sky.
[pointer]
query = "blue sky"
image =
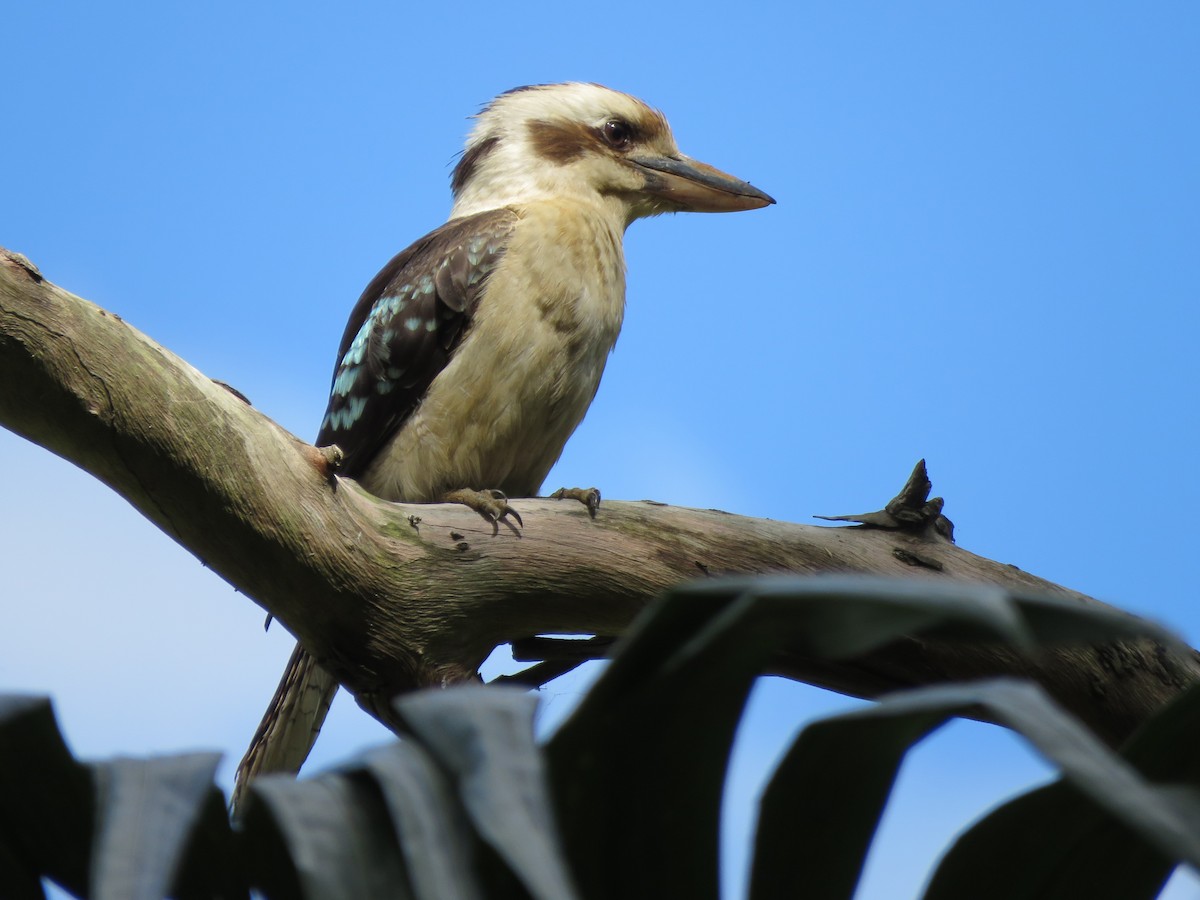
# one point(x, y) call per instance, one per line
point(984, 253)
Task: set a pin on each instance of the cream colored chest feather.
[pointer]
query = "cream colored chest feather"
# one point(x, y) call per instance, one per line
point(521, 381)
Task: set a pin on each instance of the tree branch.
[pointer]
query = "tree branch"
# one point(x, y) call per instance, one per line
point(395, 596)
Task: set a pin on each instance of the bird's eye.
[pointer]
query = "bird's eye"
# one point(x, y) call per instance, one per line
point(618, 134)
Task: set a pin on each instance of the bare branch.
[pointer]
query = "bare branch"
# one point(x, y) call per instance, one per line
point(393, 596)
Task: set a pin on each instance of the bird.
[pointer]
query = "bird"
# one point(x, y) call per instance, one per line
point(472, 356)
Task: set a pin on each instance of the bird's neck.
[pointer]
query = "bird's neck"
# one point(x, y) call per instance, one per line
point(608, 209)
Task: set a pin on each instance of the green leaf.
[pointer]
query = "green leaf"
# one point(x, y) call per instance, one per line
point(819, 811)
point(639, 768)
point(1064, 840)
point(17, 881)
point(1062, 620)
point(837, 616)
point(46, 803)
point(483, 737)
point(326, 838)
point(435, 837)
point(146, 811)
point(637, 772)
point(660, 721)
point(1041, 845)
point(822, 806)
point(211, 866)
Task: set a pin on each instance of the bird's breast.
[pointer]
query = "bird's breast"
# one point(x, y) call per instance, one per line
point(528, 367)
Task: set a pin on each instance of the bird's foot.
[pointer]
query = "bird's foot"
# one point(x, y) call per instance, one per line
point(491, 504)
point(589, 497)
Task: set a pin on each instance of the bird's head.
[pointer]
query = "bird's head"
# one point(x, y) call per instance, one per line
point(587, 142)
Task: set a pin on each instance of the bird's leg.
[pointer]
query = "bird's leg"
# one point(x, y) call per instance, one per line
point(589, 497)
point(492, 505)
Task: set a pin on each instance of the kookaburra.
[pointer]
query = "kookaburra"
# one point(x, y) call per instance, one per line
point(473, 355)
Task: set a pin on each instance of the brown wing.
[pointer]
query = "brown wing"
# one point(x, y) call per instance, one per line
point(404, 330)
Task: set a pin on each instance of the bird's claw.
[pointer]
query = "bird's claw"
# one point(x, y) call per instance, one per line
point(501, 504)
point(589, 497)
point(491, 504)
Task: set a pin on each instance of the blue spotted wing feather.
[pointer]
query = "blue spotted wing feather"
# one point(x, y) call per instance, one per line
point(404, 330)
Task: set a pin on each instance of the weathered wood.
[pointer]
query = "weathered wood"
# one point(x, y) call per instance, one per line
point(394, 596)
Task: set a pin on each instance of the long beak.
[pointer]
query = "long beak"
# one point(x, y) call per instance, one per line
point(697, 187)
